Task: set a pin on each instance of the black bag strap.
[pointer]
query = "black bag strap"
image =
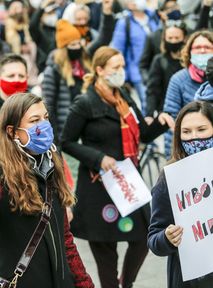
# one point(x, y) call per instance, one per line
point(32, 245)
point(128, 39)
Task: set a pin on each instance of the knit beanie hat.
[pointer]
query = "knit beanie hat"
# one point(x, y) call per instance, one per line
point(65, 33)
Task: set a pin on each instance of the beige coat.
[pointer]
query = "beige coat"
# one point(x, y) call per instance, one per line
point(12, 36)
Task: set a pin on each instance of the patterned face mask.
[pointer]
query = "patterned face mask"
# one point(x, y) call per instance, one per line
point(197, 145)
point(40, 137)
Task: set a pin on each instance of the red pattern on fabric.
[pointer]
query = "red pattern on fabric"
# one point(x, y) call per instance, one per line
point(68, 174)
point(82, 279)
point(77, 69)
point(130, 138)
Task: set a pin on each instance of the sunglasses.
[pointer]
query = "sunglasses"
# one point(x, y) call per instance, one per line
point(175, 23)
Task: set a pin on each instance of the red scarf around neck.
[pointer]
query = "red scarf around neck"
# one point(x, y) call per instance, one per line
point(129, 127)
point(196, 74)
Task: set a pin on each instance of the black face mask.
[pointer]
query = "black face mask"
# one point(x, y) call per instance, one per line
point(74, 54)
point(173, 47)
point(174, 15)
point(209, 71)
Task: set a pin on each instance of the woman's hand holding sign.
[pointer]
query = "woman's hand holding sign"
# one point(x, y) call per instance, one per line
point(174, 234)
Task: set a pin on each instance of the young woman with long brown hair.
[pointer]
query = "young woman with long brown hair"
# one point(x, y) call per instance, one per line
point(193, 133)
point(34, 190)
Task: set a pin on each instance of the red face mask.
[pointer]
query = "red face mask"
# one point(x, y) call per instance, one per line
point(13, 87)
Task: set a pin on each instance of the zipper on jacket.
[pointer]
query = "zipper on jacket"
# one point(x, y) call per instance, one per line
point(54, 246)
point(62, 258)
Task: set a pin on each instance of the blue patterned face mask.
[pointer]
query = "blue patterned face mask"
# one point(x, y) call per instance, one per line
point(196, 145)
point(40, 137)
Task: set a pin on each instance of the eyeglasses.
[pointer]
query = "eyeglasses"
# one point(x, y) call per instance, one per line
point(175, 23)
point(201, 48)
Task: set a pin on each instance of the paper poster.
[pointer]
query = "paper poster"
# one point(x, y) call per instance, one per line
point(190, 184)
point(126, 187)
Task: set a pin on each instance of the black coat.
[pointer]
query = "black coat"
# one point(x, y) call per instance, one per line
point(162, 69)
point(43, 36)
point(48, 267)
point(161, 218)
point(58, 95)
point(152, 48)
point(98, 126)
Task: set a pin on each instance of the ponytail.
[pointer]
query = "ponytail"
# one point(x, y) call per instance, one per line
point(89, 79)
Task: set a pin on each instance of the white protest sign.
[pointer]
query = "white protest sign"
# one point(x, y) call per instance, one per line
point(190, 184)
point(126, 187)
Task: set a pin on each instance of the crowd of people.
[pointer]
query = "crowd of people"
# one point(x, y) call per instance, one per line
point(68, 73)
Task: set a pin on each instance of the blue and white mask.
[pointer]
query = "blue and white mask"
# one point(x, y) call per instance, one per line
point(40, 137)
point(197, 145)
point(200, 60)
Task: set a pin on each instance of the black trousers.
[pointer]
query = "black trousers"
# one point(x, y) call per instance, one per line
point(106, 257)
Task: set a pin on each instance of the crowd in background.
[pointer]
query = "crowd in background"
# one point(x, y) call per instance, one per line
point(87, 58)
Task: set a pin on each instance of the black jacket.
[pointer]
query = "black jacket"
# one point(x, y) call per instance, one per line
point(152, 48)
point(43, 36)
point(58, 95)
point(48, 267)
point(97, 124)
point(88, 118)
point(162, 68)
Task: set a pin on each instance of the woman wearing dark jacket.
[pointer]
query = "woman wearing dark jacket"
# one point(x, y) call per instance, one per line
point(110, 127)
point(66, 66)
point(164, 65)
point(63, 76)
point(32, 181)
point(164, 234)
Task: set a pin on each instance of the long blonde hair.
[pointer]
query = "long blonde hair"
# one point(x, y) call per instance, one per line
point(17, 172)
point(62, 60)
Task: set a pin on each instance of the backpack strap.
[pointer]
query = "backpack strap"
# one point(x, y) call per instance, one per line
point(128, 39)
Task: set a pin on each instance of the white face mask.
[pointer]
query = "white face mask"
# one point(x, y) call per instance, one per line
point(140, 4)
point(50, 20)
point(116, 79)
point(35, 3)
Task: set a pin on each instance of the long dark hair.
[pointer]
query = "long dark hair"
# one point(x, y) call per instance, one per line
point(205, 108)
point(16, 169)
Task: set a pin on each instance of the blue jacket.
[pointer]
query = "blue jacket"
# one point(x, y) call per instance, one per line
point(180, 91)
point(138, 36)
point(204, 93)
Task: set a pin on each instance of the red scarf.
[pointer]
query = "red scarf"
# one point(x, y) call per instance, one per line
point(129, 127)
point(196, 74)
point(77, 69)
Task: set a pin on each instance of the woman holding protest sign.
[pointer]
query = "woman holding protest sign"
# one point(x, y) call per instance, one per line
point(193, 133)
point(104, 118)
